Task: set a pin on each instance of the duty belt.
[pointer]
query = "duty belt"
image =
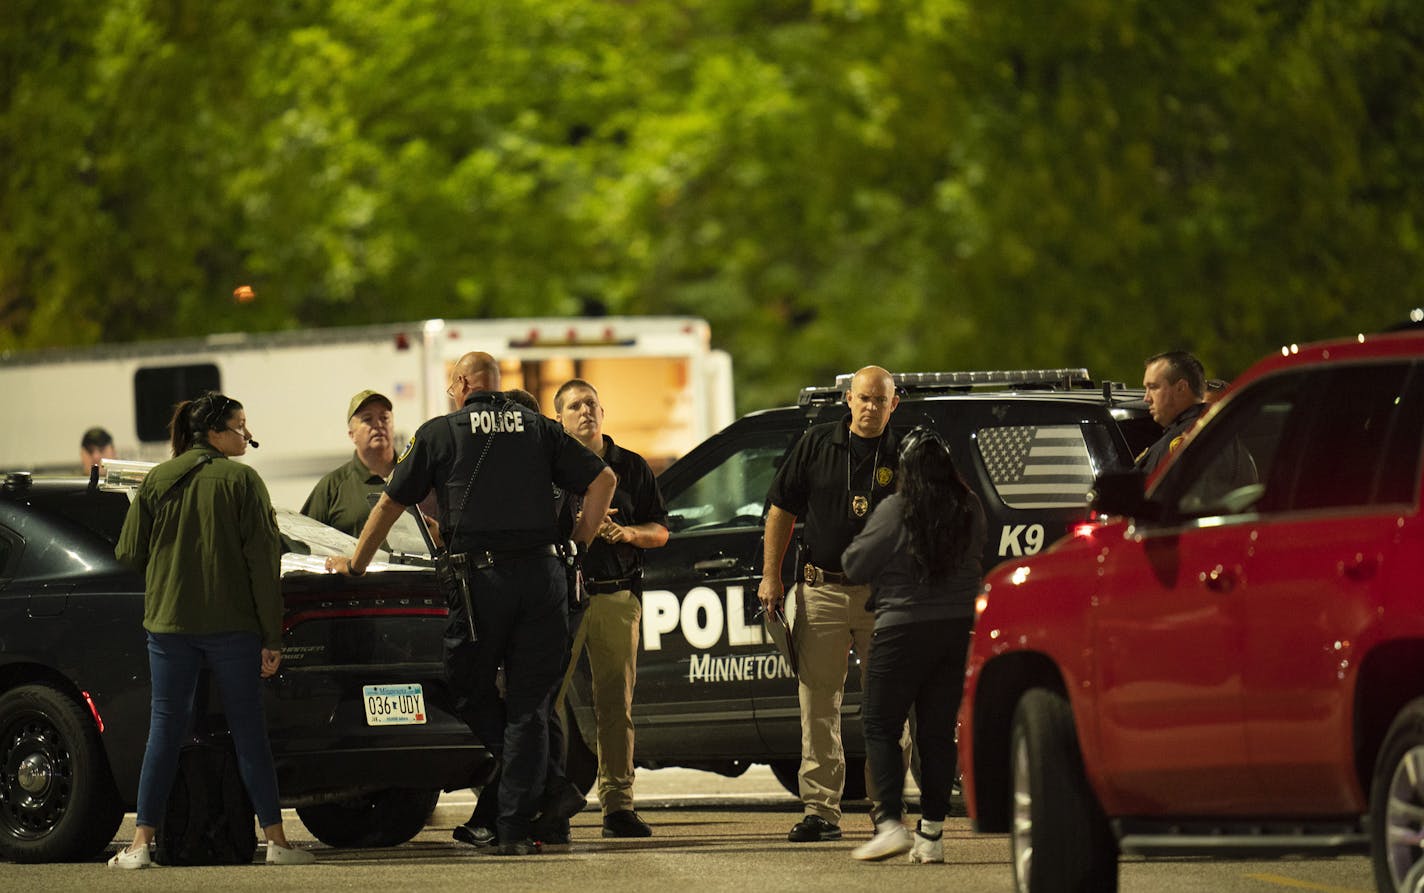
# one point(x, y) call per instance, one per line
point(480, 559)
point(603, 587)
point(816, 576)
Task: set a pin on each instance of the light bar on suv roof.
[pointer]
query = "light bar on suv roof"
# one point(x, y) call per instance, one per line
point(122, 474)
point(929, 382)
point(911, 380)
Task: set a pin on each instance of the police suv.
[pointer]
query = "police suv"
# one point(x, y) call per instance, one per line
point(713, 692)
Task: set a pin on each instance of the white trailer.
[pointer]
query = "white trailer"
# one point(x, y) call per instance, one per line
point(664, 388)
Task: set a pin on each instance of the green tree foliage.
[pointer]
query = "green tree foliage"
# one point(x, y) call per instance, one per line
point(923, 184)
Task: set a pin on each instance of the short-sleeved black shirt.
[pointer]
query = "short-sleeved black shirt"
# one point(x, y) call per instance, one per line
point(812, 485)
point(638, 501)
point(520, 455)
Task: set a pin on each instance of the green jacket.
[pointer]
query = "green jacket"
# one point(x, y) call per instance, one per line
point(341, 498)
point(209, 552)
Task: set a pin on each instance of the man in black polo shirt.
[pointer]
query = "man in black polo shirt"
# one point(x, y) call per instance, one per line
point(613, 572)
point(493, 465)
point(832, 479)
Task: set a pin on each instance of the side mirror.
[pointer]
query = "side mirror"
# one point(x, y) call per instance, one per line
point(1120, 492)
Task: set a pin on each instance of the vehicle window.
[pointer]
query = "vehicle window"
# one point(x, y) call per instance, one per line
point(157, 389)
point(1358, 411)
point(1232, 467)
point(99, 513)
point(732, 493)
point(1399, 470)
point(1041, 466)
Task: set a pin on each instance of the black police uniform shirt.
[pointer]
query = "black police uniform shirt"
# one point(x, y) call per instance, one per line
point(831, 480)
point(638, 501)
point(492, 464)
point(1172, 434)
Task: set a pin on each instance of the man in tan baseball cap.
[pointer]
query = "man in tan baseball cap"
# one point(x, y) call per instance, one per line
point(343, 498)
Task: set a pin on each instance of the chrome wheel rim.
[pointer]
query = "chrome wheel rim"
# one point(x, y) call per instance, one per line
point(1404, 822)
point(1021, 837)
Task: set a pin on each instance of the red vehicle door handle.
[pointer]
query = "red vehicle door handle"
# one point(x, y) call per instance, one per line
point(1218, 579)
point(1359, 569)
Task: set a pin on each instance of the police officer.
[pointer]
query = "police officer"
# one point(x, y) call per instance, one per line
point(343, 497)
point(1175, 389)
point(613, 575)
point(493, 464)
point(832, 479)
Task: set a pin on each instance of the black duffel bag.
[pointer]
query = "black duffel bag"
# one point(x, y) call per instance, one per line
point(209, 818)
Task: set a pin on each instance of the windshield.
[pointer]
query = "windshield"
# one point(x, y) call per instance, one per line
point(306, 543)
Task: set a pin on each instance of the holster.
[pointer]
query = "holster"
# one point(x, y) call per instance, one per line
point(453, 576)
point(572, 560)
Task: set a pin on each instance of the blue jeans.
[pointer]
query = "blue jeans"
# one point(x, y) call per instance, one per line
point(235, 659)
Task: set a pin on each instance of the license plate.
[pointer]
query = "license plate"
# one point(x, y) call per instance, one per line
point(394, 705)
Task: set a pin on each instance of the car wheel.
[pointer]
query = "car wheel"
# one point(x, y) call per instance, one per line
point(57, 798)
point(788, 772)
point(1060, 839)
point(1397, 803)
point(380, 818)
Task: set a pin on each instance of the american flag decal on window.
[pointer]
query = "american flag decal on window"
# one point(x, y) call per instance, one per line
point(1038, 467)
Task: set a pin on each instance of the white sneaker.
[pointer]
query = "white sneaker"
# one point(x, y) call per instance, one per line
point(891, 839)
point(281, 855)
point(129, 858)
point(927, 849)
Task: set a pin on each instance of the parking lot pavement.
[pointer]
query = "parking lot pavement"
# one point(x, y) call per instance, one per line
point(710, 833)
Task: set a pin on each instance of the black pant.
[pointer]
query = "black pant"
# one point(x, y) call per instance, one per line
point(919, 665)
point(521, 617)
point(486, 811)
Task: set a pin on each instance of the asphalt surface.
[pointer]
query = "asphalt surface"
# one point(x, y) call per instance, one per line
point(710, 833)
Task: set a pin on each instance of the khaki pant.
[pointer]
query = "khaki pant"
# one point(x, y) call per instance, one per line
point(609, 629)
point(829, 619)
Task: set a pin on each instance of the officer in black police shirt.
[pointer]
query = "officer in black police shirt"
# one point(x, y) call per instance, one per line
point(831, 480)
point(492, 465)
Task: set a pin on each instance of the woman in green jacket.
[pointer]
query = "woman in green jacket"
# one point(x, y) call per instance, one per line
point(202, 531)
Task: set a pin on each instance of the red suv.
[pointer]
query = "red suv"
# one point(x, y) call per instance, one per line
point(1235, 661)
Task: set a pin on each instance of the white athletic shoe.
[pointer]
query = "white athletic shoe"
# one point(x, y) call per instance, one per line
point(891, 839)
point(127, 858)
point(281, 855)
point(927, 849)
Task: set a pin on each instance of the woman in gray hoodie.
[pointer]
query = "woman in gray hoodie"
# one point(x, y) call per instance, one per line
point(920, 552)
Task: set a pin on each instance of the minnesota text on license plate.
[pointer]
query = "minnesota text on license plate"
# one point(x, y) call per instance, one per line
point(394, 705)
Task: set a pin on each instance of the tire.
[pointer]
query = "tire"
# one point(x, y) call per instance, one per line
point(57, 797)
point(1396, 801)
point(381, 818)
point(1060, 841)
point(788, 772)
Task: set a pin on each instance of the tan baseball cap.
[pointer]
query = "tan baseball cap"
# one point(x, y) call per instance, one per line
point(364, 397)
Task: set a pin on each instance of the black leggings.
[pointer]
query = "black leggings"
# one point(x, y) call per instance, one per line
point(918, 665)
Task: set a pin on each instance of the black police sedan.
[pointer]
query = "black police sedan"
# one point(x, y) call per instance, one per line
point(712, 691)
point(361, 722)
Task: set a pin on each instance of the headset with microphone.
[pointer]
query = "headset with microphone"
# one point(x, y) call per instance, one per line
point(216, 412)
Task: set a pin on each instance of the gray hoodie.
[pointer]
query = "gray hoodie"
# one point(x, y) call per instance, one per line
point(880, 555)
